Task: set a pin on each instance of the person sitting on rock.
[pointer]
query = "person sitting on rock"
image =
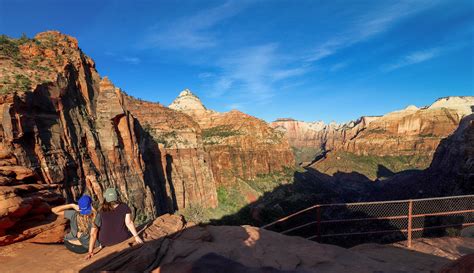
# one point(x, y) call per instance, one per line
point(114, 222)
point(81, 217)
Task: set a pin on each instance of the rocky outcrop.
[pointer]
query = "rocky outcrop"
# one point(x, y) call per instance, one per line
point(451, 248)
point(239, 145)
point(187, 168)
point(189, 103)
point(462, 265)
point(64, 131)
point(172, 245)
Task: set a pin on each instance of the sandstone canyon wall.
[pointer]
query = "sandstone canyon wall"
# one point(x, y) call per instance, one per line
point(450, 173)
point(411, 135)
point(64, 131)
point(239, 145)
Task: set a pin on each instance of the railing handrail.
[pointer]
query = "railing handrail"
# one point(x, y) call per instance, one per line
point(363, 203)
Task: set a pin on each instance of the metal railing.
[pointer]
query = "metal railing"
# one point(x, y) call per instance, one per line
point(387, 221)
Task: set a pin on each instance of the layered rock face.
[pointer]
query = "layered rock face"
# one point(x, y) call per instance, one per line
point(239, 145)
point(65, 132)
point(186, 164)
point(410, 135)
point(409, 131)
point(451, 172)
point(309, 139)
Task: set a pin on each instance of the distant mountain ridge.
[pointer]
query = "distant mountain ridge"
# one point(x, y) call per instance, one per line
point(411, 132)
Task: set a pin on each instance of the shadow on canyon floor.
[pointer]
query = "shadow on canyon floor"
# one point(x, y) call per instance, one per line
point(313, 187)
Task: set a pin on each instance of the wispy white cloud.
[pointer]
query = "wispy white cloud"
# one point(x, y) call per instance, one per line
point(338, 66)
point(193, 32)
point(255, 72)
point(414, 58)
point(206, 75)
point(367, 26)
point(130, 60)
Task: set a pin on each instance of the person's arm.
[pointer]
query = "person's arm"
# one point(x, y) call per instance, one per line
point(131, 226)
point(92, 240)
point(59, 210)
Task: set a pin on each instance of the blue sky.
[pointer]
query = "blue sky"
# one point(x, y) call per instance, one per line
point(310, 60)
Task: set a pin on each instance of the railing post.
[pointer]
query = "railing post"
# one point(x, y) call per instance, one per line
point(318, 225)
point(410, 211)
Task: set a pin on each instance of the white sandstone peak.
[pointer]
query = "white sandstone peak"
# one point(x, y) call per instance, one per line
point(186, 102)
point(463, 104)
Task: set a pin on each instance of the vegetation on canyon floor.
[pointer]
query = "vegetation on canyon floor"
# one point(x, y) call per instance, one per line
point(373, 167)
point(234, 199)
point(306, 154)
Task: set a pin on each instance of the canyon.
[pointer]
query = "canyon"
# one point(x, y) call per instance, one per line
point(397, 141)
point(66, 131)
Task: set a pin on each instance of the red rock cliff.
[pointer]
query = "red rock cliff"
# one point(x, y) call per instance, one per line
point(240, 146)
point(64, 132)
point(410, 131)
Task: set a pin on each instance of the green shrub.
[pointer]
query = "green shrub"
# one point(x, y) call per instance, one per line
point(141, 218)
point(168, 139)
point(23, 39)
point(195, 213)
point(4, 89)
point(453, 232)
point(8, 47)
point(22, 82)
point(221, 131)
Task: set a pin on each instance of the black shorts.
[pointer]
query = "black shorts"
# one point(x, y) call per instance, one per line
point(79, 249)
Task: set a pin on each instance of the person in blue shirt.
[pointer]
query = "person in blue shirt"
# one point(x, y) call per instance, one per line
point(81, 216)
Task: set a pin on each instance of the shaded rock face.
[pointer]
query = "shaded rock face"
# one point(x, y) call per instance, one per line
point(239, 145)
point(69, 132)
point(454, 158)
point(186, 165)
point(450, 173)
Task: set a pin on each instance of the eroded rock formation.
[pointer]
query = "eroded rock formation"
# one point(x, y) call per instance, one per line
point(408, 138)
point(450, 173)
point(406, 132)
point(68, 131)
point(239, 145)
point(65, 131)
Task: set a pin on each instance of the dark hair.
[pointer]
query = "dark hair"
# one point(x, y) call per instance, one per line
point(109, 206)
